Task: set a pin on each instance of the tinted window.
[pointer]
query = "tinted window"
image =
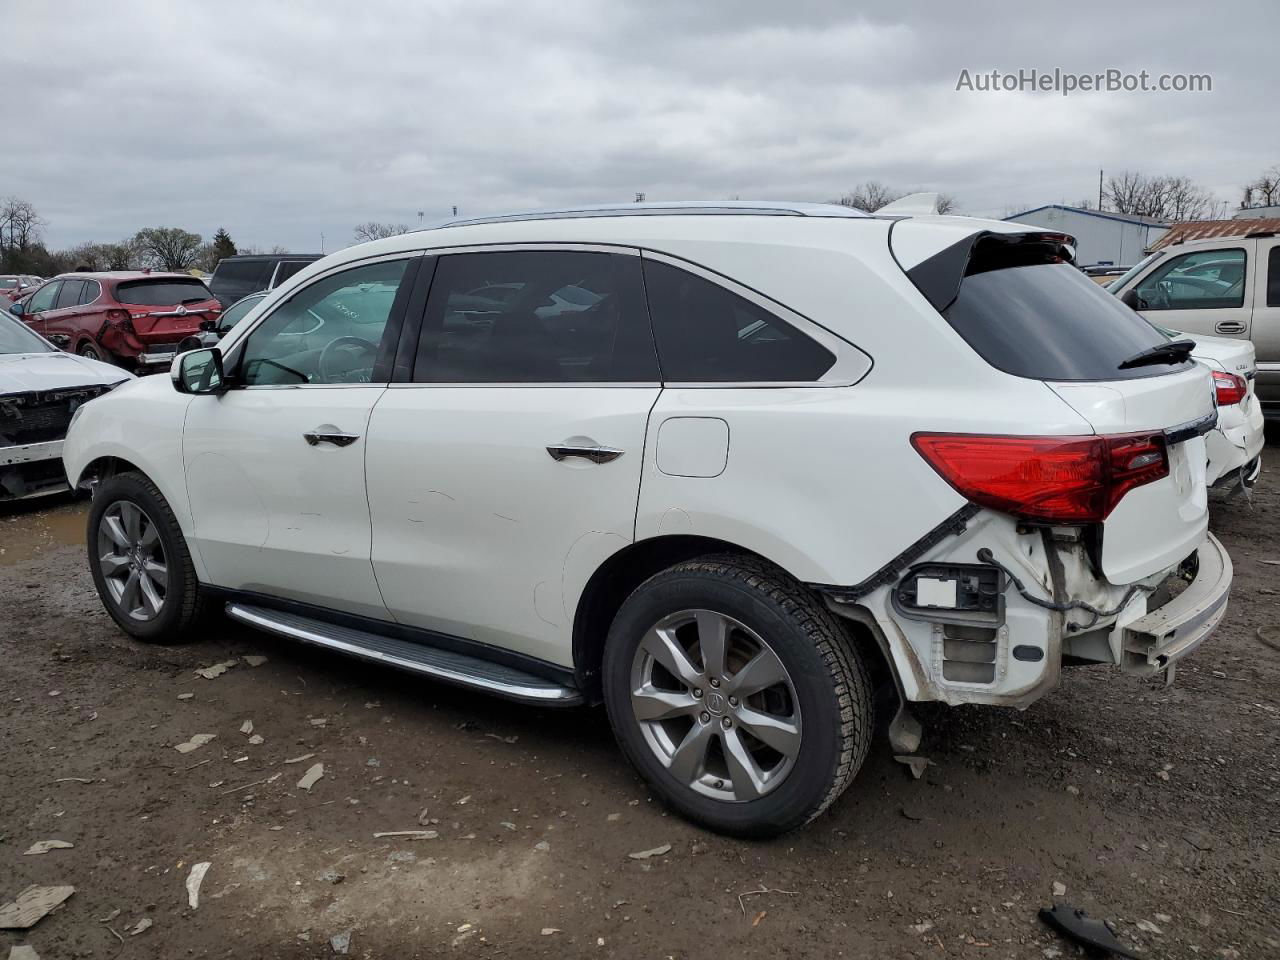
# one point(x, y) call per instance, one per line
point(8, 283)
point(42, 299)
point(327, 332)
point(162, 292)
point(233, 279)
point(287, 269)
point(91, 291)
point(1050, 322)
point(236, 312)
point(1205, 280)
point(544, 316)
point(69, 295)
point(707, 334)
point(1273, 277)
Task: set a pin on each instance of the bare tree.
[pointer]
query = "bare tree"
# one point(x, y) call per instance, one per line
point(169, 248)
point(378, 231)
point(869, 197)
point(1263, 192)
point(20, 222)
point(1166, 198)
point(946, 203)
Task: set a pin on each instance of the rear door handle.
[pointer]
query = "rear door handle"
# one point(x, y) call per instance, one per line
point(593, 452)
point(337, 439)
point(1229, 326)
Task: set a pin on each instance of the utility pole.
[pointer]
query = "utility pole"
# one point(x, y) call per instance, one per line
point(1099, 191)
point(455, 209)
point(421, 214)
point(322, 241)
point(639, 197)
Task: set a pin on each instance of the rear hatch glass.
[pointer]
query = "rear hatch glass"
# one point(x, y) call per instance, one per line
point(1029, 313)
point(162, 292)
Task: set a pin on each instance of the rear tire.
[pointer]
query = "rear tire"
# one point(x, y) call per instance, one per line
point(139, 561)
point(92, 351)
point(752, 741)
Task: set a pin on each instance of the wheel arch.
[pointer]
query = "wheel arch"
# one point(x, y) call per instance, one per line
point(622, 572)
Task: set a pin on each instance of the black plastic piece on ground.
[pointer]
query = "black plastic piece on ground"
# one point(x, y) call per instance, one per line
point(1077, 925)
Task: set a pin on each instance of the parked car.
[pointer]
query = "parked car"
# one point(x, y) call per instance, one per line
point(1222, 287)
point(237, 277)
point(721, 497)
point(14, 286)
point(134, 319)
point(41, 390)
point(211, 331)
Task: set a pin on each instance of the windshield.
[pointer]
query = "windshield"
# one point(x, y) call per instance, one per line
point(16, 338)
point(1118, 283)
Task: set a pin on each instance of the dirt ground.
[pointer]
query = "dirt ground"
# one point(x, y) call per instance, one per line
point(1149, 804)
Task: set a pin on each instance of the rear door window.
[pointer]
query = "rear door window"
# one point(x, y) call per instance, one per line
point(537, 316)
point(1032, 317)
point(162, 292)
point(707, 334)
point(1204, 280)
point(1273, 277)
point(286, 269)
point(233, 279)
point(69, 295)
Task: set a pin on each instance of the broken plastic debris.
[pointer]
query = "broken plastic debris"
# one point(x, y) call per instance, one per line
point(1146, 926)
point(194, 879)
point(1077, 924)
point(199, 740)
point(246, 727)
point(655, 852)
point(31, 906)
point(340, 943)
point(548, 931)
point(314, 773)
point(408, 834)
point(256, 739)
point(305, 756)
point(143, 924)
point(542, 845)
point(185, 696)
point(915, 764)
point(254, 659)
point(44, 846)
point(1059, 889)
point(319, 721)
point(215, 670)
point(23, 951)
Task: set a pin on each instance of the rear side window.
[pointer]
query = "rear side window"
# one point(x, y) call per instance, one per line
point(1047, 320)
point(1273, 277)
point(539, 316)
point(707, 334)
point(1204, 280)
point(162, 292)
point(287, 269)
point(90, 292)
point(233, 279)
point(69, 295)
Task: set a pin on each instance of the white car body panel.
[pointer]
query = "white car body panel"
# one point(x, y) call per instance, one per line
point(22, 372)
point(477, 531)
point(1238, 439)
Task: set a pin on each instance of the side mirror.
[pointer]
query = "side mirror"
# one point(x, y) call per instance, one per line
point(17, 309)
point(197, 371)
point(1131, 299)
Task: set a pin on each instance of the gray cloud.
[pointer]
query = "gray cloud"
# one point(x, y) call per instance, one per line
point(283, 121)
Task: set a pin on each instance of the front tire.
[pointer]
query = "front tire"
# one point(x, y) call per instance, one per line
point(736, 695)
point(140, 562)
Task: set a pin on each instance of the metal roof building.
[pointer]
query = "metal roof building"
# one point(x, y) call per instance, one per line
point(1101, 237)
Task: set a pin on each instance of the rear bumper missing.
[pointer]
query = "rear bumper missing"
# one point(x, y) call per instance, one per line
point(1170, 632)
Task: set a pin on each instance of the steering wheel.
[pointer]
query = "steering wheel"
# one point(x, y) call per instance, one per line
point(356, 347)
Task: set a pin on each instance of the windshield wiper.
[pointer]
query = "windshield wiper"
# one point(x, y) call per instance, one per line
point(1176, 351)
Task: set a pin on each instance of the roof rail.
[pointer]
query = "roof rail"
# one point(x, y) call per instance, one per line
point(675, 208)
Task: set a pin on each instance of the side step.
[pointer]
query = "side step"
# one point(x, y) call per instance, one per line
point(455, 668)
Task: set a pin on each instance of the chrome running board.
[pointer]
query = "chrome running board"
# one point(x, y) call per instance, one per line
point(456, 668)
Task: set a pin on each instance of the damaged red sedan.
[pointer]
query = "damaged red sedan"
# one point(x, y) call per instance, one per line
point(134, 319)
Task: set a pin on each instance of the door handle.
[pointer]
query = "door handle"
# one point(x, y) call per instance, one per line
point(593, 452)
point(1229, 326)
point(337, 439)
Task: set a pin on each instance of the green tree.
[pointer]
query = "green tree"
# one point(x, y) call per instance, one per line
point(223, 246)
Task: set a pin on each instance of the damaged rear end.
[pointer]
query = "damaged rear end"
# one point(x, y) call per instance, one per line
point(1084, 539)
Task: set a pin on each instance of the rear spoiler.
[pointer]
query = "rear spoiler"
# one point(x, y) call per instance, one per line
point(938, 277)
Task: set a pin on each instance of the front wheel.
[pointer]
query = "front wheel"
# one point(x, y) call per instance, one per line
point(140, 562)
point(735, 693)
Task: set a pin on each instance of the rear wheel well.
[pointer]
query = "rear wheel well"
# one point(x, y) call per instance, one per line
point(619, 576)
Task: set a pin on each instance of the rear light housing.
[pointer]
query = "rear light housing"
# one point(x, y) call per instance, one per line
point(1229, 388)
point(1069, 480)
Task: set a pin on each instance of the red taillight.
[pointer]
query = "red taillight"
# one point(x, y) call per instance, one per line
point(1229, 388)
point(1051, 479)
point(121, 319)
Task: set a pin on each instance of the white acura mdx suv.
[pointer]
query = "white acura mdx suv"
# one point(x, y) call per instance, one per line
point(726, 467)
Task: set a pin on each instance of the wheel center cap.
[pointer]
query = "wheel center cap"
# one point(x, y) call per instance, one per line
point(715, 703)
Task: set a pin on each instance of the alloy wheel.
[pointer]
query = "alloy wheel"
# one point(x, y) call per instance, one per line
point(132, 561)
point(716, 705)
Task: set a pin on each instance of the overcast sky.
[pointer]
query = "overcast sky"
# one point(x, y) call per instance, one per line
point(283, 121)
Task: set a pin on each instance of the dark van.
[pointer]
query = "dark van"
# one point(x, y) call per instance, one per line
point(237, 277)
